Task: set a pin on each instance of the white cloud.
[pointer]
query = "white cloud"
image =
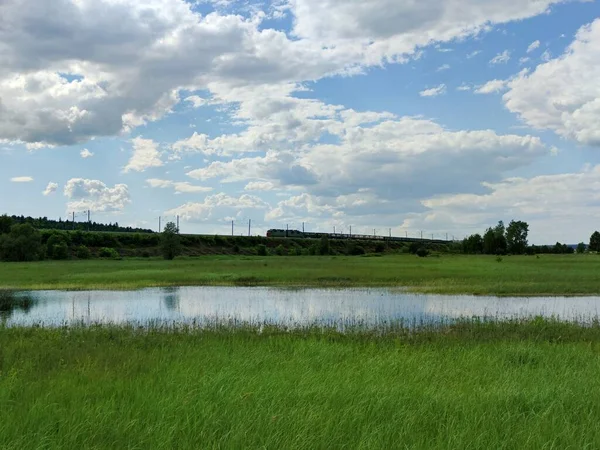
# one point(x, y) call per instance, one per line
point(548, 203)
point(563, 94)
point(259, 186)
point(60, 90)
point(491, 87)
point(464, 87)
point(50, 189)
point(473, 54)
point(523, 60)
point(197, 101)
point(216, 208)
point(501, 58)
point(533, 46)
point(434, 92)
point(145, 155)
point(546, 56)
point(86, 194)
point(443, 67)
point(85, 153)
point(21, 179)
point(178, 186)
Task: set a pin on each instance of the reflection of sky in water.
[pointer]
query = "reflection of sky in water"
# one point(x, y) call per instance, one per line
point(335, 307)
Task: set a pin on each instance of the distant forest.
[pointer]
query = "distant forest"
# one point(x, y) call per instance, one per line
point(43, 223)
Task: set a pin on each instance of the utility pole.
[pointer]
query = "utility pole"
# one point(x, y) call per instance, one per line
point(373, 232)
point(73, 219)
point(287, 230)
point(446, 236)
point(159, 224)
point(421, 234)
point(303, 227)
point(249, 226)
point(89, 221)
point(177, 223)
point(232, 227)
point(334, 229)
point(350, 230)
point(390, 232)
point(406, 233)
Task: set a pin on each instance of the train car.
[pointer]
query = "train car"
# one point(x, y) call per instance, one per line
point(274, 233)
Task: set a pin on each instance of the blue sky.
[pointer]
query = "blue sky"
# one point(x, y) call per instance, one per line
point(440, 117)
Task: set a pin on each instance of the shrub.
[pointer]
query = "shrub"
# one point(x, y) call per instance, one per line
point(145, 254)
point(60, 251)
point(324, 247)
point(380, 247)
point(422, 252)
point(83, 252)
point(280, 250)
point(23, 243)
point(107, 252)
point(261, 250)
point(170, 241)
point(356, 250)
point(236, 248)
point(54, 241)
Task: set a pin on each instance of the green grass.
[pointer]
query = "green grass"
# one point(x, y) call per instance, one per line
point(508, 386)
point(452, 274)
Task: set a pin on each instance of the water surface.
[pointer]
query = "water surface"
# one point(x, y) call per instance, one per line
point(204, 306)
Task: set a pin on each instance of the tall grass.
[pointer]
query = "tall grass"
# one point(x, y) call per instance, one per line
point(474, 385)
point(452, 274)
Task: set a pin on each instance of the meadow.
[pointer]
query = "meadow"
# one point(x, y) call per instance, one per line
point(449, 274)
point(471, 386)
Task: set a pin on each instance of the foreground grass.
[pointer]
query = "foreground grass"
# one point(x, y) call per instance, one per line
point(473, 387)
point(515, 275)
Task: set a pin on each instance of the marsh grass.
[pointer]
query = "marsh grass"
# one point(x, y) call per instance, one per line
point(475, 384)
point(449, 274)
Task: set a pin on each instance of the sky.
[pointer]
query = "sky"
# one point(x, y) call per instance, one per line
point(438, 117)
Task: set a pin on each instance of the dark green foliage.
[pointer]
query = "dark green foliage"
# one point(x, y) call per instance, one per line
point(23, 243)
point(494, 240)
point(324, 246)
point(422, 252)
point(43, 223)
point(261, 250)
point(380, 247)
point(516, 237)
point(355, 250)
point(83, 252)
point(236, 248)
point(280, 250)
point(595, 242)
point(107, 252)
point(562, 249)
point(56, 247)
point(170, 241)
point(581, 247)
point(5, 224)
point(414, 247)
point(473, 244)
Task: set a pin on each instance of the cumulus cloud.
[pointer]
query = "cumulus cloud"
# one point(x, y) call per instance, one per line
point(443, 67)
point(218, 208)
point(259, 186)
point(145, 155)
point(547, 202)
point(111, 79)
point(563, 94)
point(491, 87)
point(533, 46)
point(434, 92)
point(85, 153)
point(50, 189)
point(178, 186)
point(86, 194)
point(501, 58)
point(21, 179)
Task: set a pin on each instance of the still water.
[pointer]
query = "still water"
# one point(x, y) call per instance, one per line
point(207, 306)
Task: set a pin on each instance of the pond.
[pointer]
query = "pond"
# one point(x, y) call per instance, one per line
point(209, 306)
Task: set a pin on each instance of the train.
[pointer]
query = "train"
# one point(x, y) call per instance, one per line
point(274, 233)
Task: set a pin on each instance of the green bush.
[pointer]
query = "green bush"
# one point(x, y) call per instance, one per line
point(107, 252)
point(261, 250)
point(83, 252)
point(422, 252)
point(280, 250)
point(60, 251)
point(356, 250)
point(55, 241)
point(23, 243)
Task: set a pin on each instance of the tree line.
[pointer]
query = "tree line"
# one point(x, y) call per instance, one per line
point(43, 223)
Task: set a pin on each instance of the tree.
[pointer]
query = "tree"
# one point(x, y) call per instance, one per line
point(324, 247)
point(473, 244)
point(581, 248)
point(170, 241)
point(595, 242)
point(5, 224)
point(516, 237)
point(23, 243)
point(56, 247)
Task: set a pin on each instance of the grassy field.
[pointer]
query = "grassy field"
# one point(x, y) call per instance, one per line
point(514, 275)
point(506, 386)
